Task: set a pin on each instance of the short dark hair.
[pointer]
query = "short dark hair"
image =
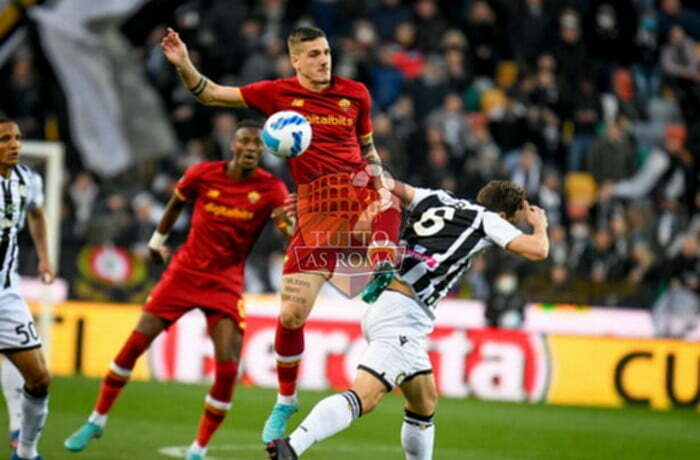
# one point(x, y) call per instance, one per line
point(501, 196)
point(303, 34)
point(5, 119)
point(249, 123)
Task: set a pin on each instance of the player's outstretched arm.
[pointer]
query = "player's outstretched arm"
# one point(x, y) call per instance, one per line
point(156, 246)
point(37, 228)
point(206, 91)
point(536, 245)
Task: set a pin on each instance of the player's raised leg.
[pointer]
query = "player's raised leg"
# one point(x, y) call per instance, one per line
point(299, 292)
point(12, 384)
point(418, 429)
point(148, 327)
point(384, 217)
point(35, 398)
point(228, 339)
point(330, 416)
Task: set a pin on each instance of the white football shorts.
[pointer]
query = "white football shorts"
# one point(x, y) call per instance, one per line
point(17, 331)
point(396, 328)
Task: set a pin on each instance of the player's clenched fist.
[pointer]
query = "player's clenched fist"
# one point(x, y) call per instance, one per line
point(174, 48)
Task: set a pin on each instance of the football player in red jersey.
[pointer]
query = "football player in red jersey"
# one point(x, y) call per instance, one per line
point(232, 203)
point(339, 178)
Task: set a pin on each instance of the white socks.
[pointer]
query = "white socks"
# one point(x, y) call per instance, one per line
point(417, 436)
point(34, 412)
point(195, 448)
point(98, 419)
point(330, 416)
point(12, 383)
point(288, 400)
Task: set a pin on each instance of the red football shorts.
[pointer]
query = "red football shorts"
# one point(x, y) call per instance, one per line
point(177, 293)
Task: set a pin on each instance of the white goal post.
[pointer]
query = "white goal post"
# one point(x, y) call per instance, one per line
point(51, 153)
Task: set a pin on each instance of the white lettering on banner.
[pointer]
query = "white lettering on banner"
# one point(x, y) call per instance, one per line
point(452, 351)
point(499, 374)
point(319, 345)
point(259, 358)
point(487, 363)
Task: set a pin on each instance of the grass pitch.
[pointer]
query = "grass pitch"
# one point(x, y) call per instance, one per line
point(157, 420)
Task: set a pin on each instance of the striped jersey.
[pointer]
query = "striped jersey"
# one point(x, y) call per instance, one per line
point(20, 192)
point(441, 236)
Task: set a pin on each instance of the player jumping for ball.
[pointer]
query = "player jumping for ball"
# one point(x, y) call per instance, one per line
point(337, 179)
point(232, 203)
point(442, 235)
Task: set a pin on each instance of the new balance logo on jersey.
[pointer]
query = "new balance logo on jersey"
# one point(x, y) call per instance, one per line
point(403, 340)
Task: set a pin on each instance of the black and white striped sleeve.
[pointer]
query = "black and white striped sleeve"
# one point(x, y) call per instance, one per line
point(36, 190)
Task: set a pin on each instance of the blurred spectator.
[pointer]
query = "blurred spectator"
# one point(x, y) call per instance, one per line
point(601, 259)
point(430, 25)
point(647, 77)
point(406, 57)
point(83, 193)
point(21, 99)
point(676, 311)
point(452, 121)
point(387, 80)
point(550, 199)
point(531, 35)
point(681, 64)
point(505, 307)
point(587, 113)
point(483, 36)
point(430, 89)
point(111, 224)
point(387, 16)
point(611, 26)
point(558, 247)
point(667, 174)
point(673, 13)
point(571, 54)
point(612, 156)
point(527, 171)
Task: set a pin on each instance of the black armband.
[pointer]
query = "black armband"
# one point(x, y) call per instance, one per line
point(197, 89)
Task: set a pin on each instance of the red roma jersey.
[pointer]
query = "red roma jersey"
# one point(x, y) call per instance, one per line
point(227, 218)
point(339, 116)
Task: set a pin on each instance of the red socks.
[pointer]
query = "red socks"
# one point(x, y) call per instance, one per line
point(218, 401)
point(120, 370)
point(289, 346)
point(385, 236)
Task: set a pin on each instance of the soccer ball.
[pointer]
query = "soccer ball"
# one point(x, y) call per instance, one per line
point(286, 134)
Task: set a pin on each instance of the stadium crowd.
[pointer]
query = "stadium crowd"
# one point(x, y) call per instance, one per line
point(593, 107)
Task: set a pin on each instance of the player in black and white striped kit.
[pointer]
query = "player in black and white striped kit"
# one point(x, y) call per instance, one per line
point(442, 235)
point(21, 197)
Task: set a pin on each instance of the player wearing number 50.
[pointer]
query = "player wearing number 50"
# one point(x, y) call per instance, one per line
point(22, 196)
point(233, 200)
point(442, 235)
point(338, 177)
